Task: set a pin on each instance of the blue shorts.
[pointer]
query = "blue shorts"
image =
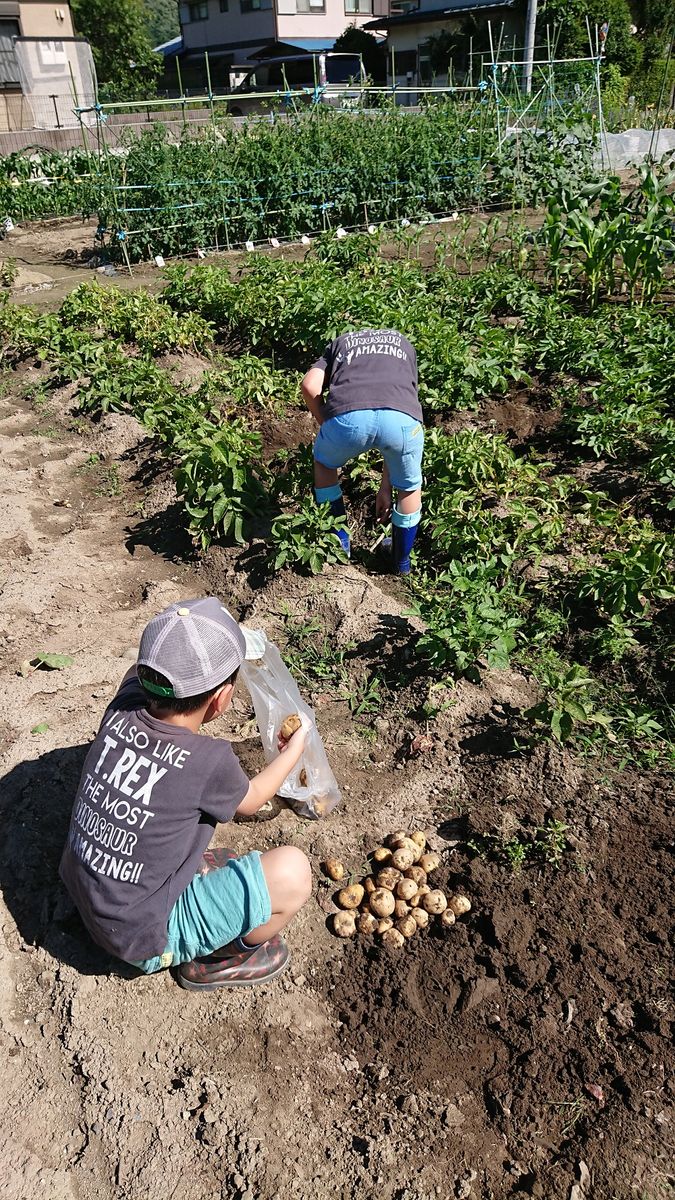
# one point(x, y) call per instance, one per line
point(219, 905)
point(399, 438)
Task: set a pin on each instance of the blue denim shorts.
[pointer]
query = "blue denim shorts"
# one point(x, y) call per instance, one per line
point(399, 438)
point(218, 906)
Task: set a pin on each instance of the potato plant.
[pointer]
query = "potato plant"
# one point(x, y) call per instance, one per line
point(528, 555)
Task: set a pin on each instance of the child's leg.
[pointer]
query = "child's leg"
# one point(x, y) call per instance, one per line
point(327, 490)
point(289, 882)
point(401, 440)
point(277, 883)
point(339, 440)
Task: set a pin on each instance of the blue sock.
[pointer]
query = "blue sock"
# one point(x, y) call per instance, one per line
point(334, 498)
point(404, 528)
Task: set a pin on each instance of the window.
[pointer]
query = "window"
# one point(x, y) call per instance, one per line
point(254, 5)
point(405, 62)
point(9, 67)
point(224, 5)
point(310, 6)
point(397, 7)
point(343, 68)
point(359, 6)
point(199, 12)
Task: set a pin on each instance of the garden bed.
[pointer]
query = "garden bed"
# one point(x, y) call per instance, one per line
point(512, 702)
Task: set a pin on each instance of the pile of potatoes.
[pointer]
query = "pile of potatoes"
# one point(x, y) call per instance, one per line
point(396, 900)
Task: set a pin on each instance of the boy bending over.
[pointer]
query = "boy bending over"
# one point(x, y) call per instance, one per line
point(136, 861)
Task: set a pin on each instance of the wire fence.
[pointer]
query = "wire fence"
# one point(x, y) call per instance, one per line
point(179, 176)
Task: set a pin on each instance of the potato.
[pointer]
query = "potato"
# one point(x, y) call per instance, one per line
point(384, 924)
point(420, 917)
point(396, 837)
point(302, 777)
point(344, 925)
point(381, 855)
point(434, 902)
point(382, 902)
point(289, 726)
point(334, 869)
point(388, 878)
point(407, 926)
point(417, 874)
point(369, 885)
point(430, 861)
point(459, 905)
point(350, 897)
point(405, 889)
point(402, 859)
point(422, 891)
point(447, 918)
point(401, 909)
point(419, 839)
point(393, 938)
point(366, 923)
point(406, 843)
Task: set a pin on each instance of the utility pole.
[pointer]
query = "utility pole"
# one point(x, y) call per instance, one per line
point(530, 24)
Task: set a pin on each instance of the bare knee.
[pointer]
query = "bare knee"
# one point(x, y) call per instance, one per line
point(289, 878)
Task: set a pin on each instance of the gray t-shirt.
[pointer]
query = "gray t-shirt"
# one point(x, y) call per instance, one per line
point(145, 810)
point(374, 368)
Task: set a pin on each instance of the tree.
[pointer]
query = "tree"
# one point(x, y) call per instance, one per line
point(622, 48)
point(162, 20)
point(126, 67)
point(358, 41)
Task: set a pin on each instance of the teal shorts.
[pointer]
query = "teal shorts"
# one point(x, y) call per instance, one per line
point(220, 904)
point(398, 437)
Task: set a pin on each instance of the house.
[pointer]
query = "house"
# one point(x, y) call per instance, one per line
point(233, 31)
point(40, 64)
point(417, 22)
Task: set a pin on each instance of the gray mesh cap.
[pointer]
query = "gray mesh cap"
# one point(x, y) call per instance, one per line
point(196, 644)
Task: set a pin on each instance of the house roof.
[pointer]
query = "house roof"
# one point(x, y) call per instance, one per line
point(425, 16)
point(172, 47)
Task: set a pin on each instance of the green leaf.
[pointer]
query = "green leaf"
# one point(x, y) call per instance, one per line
point(41, 728)
point(52, 662)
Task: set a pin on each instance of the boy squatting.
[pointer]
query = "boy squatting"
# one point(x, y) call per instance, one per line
point(136, 861)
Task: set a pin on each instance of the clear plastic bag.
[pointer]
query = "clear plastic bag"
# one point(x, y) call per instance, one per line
point(311, 787)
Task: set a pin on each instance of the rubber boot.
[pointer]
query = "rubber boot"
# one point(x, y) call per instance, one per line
point(235, 965)
point(404, 528)
point(332, 496)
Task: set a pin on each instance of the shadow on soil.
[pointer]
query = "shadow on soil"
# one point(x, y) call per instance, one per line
point(35, 813)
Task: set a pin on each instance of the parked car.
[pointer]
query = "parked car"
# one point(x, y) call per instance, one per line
point(326, 75)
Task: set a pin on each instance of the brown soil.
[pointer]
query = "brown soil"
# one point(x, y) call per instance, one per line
point(52, 256)
point(535, 1038)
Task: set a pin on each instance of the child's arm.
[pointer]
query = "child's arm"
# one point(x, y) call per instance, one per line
point(267, 782)
point(312, 387)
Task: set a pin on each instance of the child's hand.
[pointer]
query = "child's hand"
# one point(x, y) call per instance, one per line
point(383, 502)
point(297, 740)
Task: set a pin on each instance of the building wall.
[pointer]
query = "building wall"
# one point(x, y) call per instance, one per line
point(280, 21)
point(226, 27)
point(317, 24)
point(45, 20)
point(409, 39)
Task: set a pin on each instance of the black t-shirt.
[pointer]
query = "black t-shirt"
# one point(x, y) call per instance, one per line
point(374, 368)
point(145, 810)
